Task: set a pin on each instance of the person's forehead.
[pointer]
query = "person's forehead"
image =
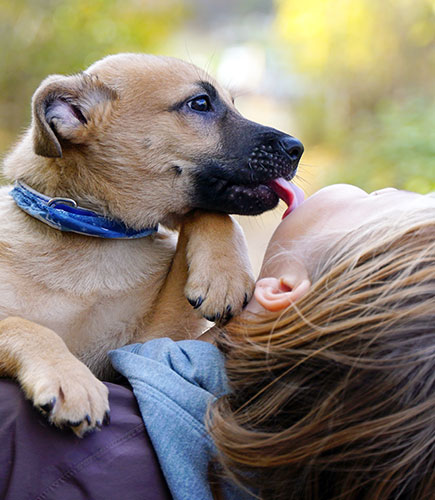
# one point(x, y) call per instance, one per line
point(343, 202)
point(332, 213)
point(326, 202)
point(336, 198)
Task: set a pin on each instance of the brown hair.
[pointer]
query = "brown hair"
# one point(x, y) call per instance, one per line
point(335, 397)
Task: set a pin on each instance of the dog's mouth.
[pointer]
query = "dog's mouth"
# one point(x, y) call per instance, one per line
point(252, 184)
point(248, 190)
point(255, 198)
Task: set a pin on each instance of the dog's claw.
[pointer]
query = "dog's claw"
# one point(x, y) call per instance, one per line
point(215, 318)
point(106, 419)
point(48, 407)
point(222, 318)
point(228, 313)
point(195, 303)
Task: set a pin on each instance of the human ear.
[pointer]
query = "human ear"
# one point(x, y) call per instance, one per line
point(275, 294)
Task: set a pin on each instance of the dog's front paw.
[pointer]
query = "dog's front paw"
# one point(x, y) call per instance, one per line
point(68, 394)
point(220, 280)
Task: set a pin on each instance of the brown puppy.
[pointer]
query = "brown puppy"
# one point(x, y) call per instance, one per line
point(142, 140)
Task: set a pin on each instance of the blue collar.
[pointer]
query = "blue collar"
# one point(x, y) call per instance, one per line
point(65, 215)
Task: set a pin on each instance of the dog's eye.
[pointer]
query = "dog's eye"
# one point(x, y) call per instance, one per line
point(201, 104)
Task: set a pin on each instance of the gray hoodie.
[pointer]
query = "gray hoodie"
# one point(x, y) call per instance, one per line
point(174, 383)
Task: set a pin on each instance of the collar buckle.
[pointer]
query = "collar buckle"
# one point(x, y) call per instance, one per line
point(71, 217)
point(58, 199)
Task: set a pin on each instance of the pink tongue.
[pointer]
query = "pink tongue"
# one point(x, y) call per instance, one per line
point(291, 194)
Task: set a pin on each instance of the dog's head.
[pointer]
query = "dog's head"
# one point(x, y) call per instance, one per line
point(147, 139)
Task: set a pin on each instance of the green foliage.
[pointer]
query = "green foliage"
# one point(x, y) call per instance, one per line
point(362, 48)
point(370, 71)
point(394, 146)
point(41, 37)
point(368, 68)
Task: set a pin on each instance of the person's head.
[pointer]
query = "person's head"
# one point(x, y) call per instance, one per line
point(332, 365)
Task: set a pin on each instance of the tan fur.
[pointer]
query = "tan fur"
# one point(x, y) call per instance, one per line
point(67, 299)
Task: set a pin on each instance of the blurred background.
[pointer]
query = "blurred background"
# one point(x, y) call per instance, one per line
point(354, 80)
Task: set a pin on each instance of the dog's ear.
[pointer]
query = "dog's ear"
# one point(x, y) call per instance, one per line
point(63, 107)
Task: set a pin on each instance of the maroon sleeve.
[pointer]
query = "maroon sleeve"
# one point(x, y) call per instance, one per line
point(41, 462)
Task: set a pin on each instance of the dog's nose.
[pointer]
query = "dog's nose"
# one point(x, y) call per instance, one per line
point(292, 147)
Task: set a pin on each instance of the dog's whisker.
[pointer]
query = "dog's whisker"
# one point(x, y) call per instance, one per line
point(241, 93)
point(301, 178)
point(210, 60)
point(311, 165)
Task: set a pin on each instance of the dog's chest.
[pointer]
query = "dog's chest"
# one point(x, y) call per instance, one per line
point(95, 294)
point(102, 317)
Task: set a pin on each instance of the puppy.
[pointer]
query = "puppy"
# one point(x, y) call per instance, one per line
point(116, 159)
